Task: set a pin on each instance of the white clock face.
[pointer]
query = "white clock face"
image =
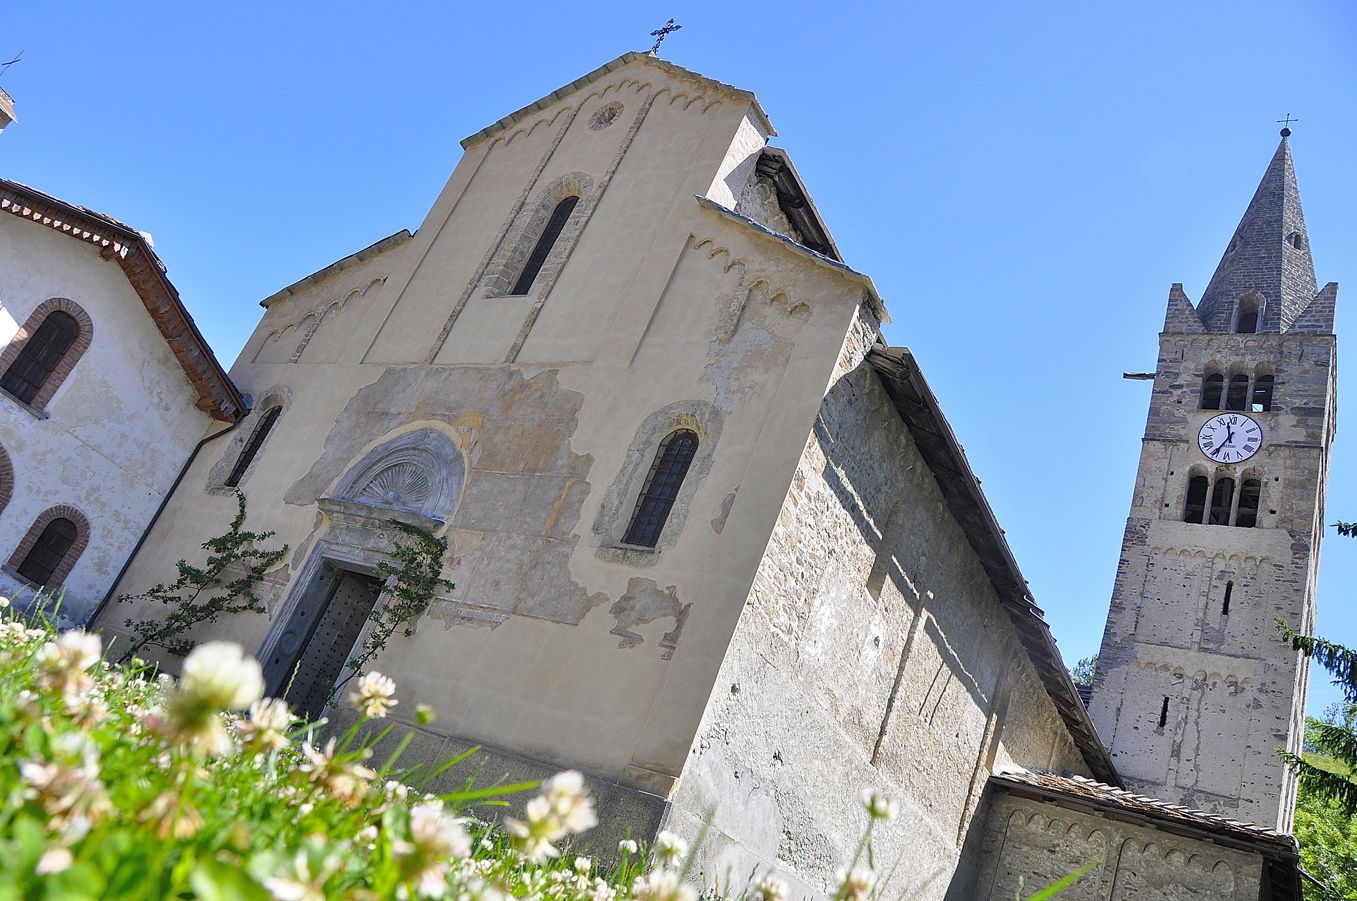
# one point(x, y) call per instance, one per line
point(1230, 437)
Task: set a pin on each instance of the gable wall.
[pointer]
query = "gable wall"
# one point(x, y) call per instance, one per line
point(118, 429)
point(870, 654)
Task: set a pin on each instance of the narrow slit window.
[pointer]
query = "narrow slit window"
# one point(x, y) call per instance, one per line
point(1196, 499)
point(1249, 492)
point(1239, 392)
point(48, 551)
point(1225, 604)
point(1164, 713)
point(252, 446)
point(662, 485)
point(1213, 386)
point(40, 356)
point(1262, 394)
point(1221, 500)
point(555, 225)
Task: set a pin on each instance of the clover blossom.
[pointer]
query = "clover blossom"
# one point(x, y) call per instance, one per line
point(769, 888)
point(374, 696)
point(435, 838)
point(855, 884)
point(662, 885)
point(347, 781)
point(878, 806)
point(265, 728)
point(669, 848)
point(563, 808)
point(62, 663)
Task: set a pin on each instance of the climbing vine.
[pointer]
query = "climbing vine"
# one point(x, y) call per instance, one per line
point(225, 584)
point(413, 575)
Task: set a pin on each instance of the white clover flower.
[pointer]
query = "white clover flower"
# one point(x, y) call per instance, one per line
point(374, 696)
point(669, 848)
point(583, 865)
point(879, 807)
point(570, 802)
point(172, 817)
point(436, 837)
point(347, 781)
point(628, 846)
point(855, 885)
point(662, 885)
point(54, 860)
point(563, 808)
point(770, 888)
point(4, 602)
point(68, 789)
point(221, 675)
point(266, 726)
point(296, 882)
point(62, 663)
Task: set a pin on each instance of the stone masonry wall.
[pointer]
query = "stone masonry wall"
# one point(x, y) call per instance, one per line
point(870, 654)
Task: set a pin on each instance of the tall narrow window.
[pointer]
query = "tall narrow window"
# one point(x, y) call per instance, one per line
point(538, 257)
point(1247, 323)
point(40, 356)
point(48, 551)
point(1225, 605)
point(1164, 713)
point(1238, 395)
point(1221, 500)
point(662, 484)
point(1247, 517)
point(252, 446)
point(1213, 386)
point(1262, 394)
point(1196, 499)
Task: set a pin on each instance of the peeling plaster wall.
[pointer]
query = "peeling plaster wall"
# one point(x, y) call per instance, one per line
point(872, 652)
point(1043, 842)
point(118, 429)
point(558, 646)
point(1236, 691)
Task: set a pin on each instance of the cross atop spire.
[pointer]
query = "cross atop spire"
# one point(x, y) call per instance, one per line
point(1269, 254)
point(659, 34)
point(1286, 125)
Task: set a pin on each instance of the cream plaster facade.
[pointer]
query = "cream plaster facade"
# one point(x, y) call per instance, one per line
point(113, 437)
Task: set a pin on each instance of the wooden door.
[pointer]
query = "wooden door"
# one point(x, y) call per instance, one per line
point(323, 636)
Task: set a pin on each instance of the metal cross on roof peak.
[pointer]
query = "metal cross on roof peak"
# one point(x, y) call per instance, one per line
point(1286, 125)
point(661, 33)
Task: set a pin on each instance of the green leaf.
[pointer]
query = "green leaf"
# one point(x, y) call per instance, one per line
point(1059, 886)
point(213, 880)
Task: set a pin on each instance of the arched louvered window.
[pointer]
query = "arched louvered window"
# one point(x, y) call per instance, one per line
point(47, 553)
point(1238, 395)
point(1247, 321)
point(1213, 386)
point(252, 446)
point(1249, 492)
point(1197, 487)
point(661, 487)
point(559, 217)
point(1222, 498)
point(1262, 393)
point(40, 356)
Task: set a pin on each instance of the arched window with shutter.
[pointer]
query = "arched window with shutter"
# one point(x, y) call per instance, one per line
point(545, 242)
point(1237, 397)
point(44, 351)
point(672, 459)
point(49, 550)
point(1262, 393)
point(1249, 493)
point(1197, 488)
point(1222, 499)
point(251, 449)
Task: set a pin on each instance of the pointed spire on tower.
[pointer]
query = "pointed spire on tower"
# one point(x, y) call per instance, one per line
point(1269, 255)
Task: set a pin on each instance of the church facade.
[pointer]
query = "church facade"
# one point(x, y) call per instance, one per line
point(715, 545)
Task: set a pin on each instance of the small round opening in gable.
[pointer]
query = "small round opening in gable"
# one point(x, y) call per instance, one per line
point(606, 115)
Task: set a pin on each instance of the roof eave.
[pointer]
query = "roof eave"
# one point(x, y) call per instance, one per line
point(919, 409)
point(217, 395)
point(367, 253)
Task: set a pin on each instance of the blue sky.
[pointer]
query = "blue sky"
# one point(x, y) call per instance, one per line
point(1023, 181)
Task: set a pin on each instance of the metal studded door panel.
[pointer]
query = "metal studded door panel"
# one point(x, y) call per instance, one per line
point(331, 642)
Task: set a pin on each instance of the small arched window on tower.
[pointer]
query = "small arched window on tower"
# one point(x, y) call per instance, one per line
point(1262, 393)
point(48, 552)
point(40, 356)
point(1222, 499)
point(1249, 493)
point(1296, 240)
point(1197, 487)
point(1237, 397)
point(1246, 320)
point(1225, 604)
point(1213, 386)
point(251, 450)
point(555, 225)
point(661, 487)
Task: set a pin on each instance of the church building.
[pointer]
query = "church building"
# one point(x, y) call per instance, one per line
point(713, 542)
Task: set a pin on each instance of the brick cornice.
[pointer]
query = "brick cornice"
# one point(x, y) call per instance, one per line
point(143, 269)
point(6, 478)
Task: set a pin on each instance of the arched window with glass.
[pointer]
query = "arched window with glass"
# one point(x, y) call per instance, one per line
point(662, 484)
point(545, 242)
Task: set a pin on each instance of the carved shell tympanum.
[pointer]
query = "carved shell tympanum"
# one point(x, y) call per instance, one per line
point(398, 485)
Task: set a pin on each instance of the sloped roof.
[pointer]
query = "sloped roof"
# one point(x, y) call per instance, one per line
point(1086, 795)
point(917, 406)
point(144, 270)
point(629, 57)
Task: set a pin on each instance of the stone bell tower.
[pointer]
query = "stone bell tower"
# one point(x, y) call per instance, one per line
point(1196, 688)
